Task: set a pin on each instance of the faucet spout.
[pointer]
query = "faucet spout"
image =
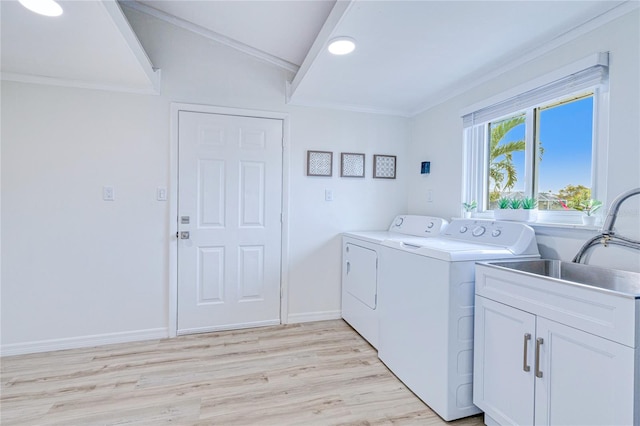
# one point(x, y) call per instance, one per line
point(607, 236)
point(607, 228)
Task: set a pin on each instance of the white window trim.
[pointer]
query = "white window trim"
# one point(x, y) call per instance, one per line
point(475, 156)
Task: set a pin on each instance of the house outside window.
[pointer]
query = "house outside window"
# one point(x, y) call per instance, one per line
point(547, 143)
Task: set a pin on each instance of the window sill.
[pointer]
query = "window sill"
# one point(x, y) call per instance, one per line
point(549, 226)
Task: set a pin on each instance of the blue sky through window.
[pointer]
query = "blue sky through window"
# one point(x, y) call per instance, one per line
point(566, 135)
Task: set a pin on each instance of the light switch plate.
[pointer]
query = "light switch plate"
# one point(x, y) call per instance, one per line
point(161, 193)
point(108, 193)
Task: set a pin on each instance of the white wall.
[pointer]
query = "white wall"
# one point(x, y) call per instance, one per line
point(437, 136)
point(72, 264)
point(358, 203)
point(78, 270)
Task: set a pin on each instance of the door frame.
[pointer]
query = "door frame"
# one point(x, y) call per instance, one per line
point(173, 202)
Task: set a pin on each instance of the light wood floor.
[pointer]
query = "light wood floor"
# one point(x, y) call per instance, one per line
point(319, 373)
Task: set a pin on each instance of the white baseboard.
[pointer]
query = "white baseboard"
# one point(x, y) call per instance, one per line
point(82, 341)
point(314, 316)
point(134, 336)
point(228, 327)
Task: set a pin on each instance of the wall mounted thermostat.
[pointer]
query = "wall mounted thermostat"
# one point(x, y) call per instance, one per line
point(425, 169)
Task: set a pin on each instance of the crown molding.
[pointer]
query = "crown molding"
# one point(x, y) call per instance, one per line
point(211, 35)
point(342, 106)
point(78, 84)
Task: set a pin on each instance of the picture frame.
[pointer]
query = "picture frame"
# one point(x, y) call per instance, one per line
point(319, 163)
point(384, 166)
point(352, 164)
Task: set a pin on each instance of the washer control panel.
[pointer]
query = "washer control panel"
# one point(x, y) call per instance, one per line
point(517, 237)
point(419, 226)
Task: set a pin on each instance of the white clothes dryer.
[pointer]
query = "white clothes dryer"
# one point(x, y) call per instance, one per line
point(426, 294)
point(360, 253)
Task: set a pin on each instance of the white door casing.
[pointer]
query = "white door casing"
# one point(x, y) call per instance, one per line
point(229, 200)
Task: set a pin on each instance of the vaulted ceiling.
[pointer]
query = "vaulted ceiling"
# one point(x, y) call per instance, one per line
point(90, 45)
point(410, 55)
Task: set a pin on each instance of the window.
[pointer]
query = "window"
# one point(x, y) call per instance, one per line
point(542, 144)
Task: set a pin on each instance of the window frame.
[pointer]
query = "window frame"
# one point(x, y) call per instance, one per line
point(475, 139)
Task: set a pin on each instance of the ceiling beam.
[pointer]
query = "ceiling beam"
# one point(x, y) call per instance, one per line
point(211, 35)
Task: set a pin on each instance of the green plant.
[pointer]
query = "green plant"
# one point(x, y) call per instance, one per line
point(589, 207)
point(502, 172)
point(529, 203)
point(515, 203)
point(469, 206)
point(504, 203)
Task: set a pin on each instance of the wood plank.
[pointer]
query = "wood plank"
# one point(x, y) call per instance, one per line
point(320, 373)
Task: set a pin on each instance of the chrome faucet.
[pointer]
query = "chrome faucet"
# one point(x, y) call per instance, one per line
point(608, 235)
point(607, 228)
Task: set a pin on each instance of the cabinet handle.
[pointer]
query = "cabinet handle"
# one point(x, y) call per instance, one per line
point(525, 367)
point(539, 342)
point(348, 267)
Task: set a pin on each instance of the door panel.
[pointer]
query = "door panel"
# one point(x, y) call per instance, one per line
point(503, 383)
point(210, 275)
point(585, 378)
point(211, 185)
point(252, 194)
point(229, 200)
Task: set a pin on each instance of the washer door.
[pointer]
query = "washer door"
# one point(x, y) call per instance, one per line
point(361, 273)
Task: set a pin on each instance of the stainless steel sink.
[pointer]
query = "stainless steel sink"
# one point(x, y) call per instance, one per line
point(625, 282)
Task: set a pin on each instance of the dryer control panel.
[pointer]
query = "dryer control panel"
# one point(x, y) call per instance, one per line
point(419, 226)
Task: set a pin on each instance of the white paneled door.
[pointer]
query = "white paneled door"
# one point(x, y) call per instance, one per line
point(229, 221)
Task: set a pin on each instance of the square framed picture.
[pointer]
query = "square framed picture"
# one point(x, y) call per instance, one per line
point(384, 166)
point(351, 164)
point(319, 163)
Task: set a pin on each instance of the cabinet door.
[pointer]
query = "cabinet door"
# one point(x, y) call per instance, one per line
point(586, 380)
point(503, 350)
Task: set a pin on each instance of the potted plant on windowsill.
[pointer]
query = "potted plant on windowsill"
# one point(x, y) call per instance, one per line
point(515, 209)
point(589, 207)
point(469, 208)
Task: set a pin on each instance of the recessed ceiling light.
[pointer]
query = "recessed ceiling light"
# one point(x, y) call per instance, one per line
point(342, 45)
point(43, 7)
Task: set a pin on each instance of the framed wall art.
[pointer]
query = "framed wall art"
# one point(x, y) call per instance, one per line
point(319, 163)
point(384, 166)
point(351, 164)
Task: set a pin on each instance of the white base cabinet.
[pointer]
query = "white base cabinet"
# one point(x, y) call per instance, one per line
point(575, 378)
point(531, 369)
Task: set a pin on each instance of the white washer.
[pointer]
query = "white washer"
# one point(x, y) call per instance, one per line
point(426, 294)
point(360, 268)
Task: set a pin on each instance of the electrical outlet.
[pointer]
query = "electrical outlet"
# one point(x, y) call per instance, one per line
point(328, 195)
point(108, 193)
